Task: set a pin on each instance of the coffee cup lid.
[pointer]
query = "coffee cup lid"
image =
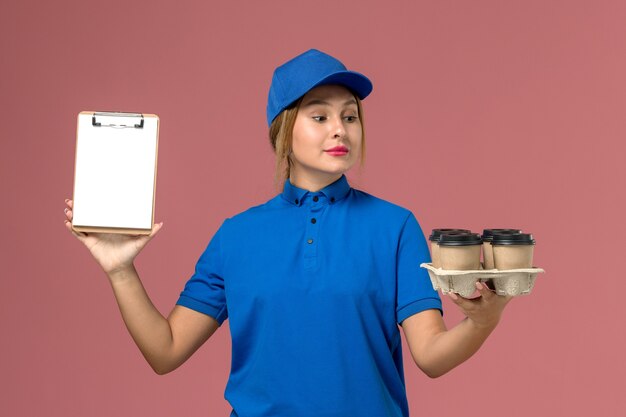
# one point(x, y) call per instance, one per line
point(488, 233)
point(513, 239)
point(460, 239)
point(436, 233)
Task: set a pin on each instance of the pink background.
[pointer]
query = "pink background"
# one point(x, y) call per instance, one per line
point(483, 114)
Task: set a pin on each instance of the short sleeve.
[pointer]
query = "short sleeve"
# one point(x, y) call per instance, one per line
point(415, 292)
point(204, 292)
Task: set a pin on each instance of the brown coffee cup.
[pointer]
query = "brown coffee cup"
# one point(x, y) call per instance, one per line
point(487, 249)
point(434, 243)
point(460, 251)
point(513, 251)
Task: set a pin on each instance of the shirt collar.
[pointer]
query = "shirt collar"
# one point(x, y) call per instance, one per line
point(334, 192)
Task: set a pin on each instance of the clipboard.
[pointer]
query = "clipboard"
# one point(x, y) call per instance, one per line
point(115, 172)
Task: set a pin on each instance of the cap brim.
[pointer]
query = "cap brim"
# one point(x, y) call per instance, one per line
point(357, 82)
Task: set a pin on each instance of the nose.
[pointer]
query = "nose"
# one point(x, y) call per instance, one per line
point(339, 129)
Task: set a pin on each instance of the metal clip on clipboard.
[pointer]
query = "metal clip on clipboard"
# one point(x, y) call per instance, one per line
point(117, 120)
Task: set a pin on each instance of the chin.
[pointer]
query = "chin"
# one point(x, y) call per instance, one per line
point(338, 169)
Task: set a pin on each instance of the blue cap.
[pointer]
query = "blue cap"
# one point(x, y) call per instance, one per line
point(310, 69)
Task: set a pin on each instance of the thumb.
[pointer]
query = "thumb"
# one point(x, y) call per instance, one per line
point(155, 229)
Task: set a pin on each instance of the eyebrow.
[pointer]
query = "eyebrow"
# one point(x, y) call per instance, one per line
point(325, 103)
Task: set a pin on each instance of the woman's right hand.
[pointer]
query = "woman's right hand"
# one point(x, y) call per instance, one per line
point(113, 251)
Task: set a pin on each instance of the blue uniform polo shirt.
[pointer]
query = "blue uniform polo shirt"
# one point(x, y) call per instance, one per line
point(314, 285)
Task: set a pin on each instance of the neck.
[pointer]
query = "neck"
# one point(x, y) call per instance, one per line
point(312, 183)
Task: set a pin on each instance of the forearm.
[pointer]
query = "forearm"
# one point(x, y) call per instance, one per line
point(148, 328)
point(450, 348)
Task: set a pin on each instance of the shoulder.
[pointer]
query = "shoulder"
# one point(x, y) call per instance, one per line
point(380, 207)
point(260, 213)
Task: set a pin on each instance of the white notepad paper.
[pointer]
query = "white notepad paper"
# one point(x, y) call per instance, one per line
point(115, 173)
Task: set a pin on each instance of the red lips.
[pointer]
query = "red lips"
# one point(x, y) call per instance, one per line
point(337, 149)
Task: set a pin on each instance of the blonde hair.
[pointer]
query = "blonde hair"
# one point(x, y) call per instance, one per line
point(281, 139)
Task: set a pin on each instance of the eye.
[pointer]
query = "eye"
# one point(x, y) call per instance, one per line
point(351, 119)
point(319, 118)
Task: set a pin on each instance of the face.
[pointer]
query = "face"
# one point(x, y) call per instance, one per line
point(326, 136)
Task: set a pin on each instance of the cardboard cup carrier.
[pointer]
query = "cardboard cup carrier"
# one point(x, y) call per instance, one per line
point(460, 267)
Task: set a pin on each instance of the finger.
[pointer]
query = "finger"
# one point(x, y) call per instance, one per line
point(495, 295)
point(462, 302)
point(68, 214)
point(453, 297)
point(155, 230)
point(70, 203)
point(485, 293)
point(503, 300)
point(80, 236)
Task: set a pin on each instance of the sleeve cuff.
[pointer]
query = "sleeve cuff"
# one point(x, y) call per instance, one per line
point(218, 314)
point(418, 306)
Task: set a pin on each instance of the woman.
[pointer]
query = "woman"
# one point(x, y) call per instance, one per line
point(315, 281)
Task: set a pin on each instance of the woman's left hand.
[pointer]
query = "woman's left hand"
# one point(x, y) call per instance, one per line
point(485, 310)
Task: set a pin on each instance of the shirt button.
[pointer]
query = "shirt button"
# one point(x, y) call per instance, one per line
point(309, 241)
point(313, 220)
point(332, 199)
point(316, 198)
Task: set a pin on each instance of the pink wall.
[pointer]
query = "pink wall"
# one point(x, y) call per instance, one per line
point(484, 114)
